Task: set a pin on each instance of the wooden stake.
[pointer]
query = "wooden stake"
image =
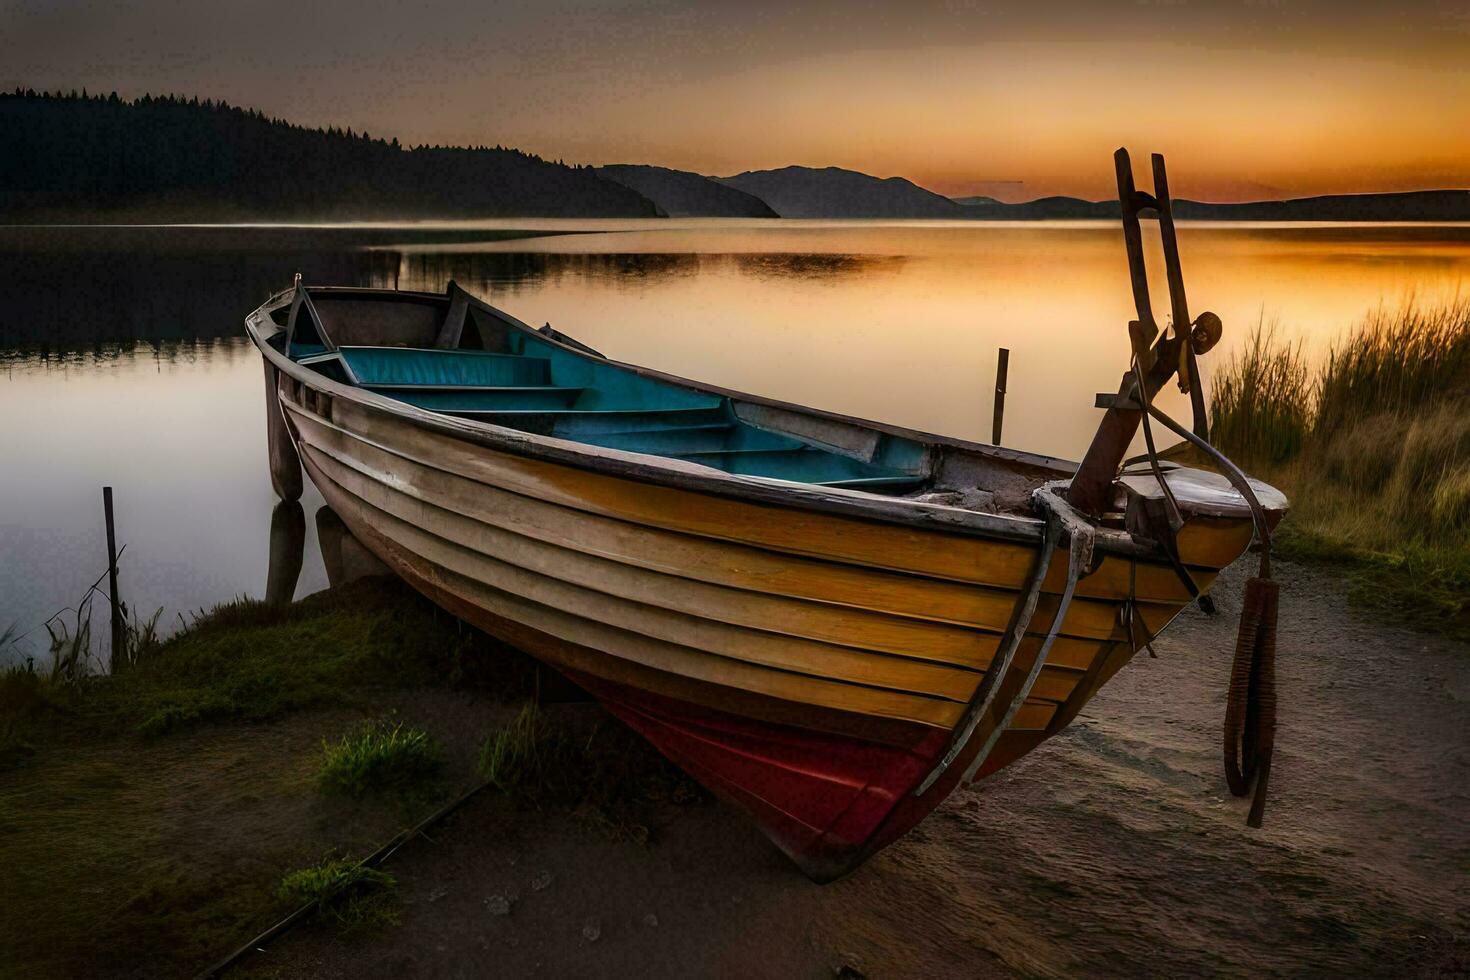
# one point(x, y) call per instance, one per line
point(1002, 364)
point(119, 638)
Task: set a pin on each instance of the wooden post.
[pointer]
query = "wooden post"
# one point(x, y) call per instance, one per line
point(1179, 305)
point(997, 417)
point(1092, 487)
point(119, 637)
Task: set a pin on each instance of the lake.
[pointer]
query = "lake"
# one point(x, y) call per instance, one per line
point(123, 361)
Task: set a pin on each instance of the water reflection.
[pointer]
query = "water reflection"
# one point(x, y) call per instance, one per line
point(84, 293)
point(346, 559)
point(106, 355)
point(496, 272)
point(287, 551)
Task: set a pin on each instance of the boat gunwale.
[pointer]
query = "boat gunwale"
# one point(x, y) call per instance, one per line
point(675, 473)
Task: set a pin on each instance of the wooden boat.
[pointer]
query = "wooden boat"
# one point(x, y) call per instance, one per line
point(830, 622)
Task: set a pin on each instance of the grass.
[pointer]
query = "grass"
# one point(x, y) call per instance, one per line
point(1261, 406)
point(530, 758)
point(379, 757)
point(1373, 447)
point(248, 661)
point(353, 898)
point(609, 777)
point(142, 823)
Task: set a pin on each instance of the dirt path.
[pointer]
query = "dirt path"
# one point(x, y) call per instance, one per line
point(1112, 851)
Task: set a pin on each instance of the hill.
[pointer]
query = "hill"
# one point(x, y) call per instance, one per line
point(682, 194)
point(1406, 206)
point(166, 159)
point(831, 192)
point(1040, 209)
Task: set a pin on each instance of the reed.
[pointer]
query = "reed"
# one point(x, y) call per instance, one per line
point(379, 757)
point(1396, 362)
point(71, 646)
point(1373, 448)
point(1261, 405)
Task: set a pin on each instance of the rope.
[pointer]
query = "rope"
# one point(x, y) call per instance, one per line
point(1250, 706)
point(1005, 652)
point(1174, 517)
point(1131, 617)
point(1081, 539)
point(1250, 702)
point(1081, 542)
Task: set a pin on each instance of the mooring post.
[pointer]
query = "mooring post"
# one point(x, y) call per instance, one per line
point(119, 638)
point(1002, 365)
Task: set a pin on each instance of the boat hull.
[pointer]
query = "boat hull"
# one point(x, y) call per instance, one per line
point(809, 667)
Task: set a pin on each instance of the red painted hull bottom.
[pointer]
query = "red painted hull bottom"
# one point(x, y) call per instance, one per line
point(829, 801)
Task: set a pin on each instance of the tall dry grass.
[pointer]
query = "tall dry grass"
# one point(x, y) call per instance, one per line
point(1396, 362)
point(1261, 406)
point(1373, 446)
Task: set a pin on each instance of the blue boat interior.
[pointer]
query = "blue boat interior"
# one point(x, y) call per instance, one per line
point(540, 386)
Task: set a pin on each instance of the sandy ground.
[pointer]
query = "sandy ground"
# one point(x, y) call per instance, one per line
point(1113, 850)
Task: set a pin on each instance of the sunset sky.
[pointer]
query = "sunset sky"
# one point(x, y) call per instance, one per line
point(1249, 99)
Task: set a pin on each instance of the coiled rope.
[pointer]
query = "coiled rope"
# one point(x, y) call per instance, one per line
point(1250, 703)
point(1250, 707)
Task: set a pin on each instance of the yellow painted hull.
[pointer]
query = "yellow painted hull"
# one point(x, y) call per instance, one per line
point(813, 608)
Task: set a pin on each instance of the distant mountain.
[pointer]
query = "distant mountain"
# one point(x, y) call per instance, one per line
point(682, 194)
point(80, 158)
point(1406, 206)
point(986, 208)
point(975, 201)
point(831, 192)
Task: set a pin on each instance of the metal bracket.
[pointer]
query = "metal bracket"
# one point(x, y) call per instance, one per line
point(1111, 399)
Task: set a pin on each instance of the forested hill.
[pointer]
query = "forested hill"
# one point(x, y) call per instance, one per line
point(831, 192)
point(90, 158)
point(681, 194)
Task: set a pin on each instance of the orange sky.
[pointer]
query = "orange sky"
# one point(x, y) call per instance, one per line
point(1249, 99)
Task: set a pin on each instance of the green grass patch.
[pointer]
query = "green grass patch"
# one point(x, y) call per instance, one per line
point(1373, 448)
point(144, 829)
point(352, 898)
point(608, 776)
point(246, 661)
point(1412, 583)
point(380, 757)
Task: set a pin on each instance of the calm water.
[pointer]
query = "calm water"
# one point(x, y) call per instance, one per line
point(122, 360)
